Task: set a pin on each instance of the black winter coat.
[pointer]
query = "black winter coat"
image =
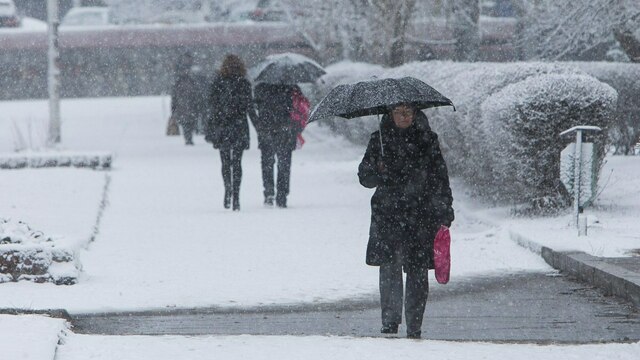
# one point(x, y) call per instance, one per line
point(230, 102)
point(273, 123)
point(412, 197)
point(186, 98)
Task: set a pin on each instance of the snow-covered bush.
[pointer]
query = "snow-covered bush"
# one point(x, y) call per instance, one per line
point(524, 121)
point(54, 158)
point(465, 135)
point(625, 131)
point(27, 254)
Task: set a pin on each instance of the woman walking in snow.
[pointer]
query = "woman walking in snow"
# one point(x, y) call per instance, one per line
point(185, 108)
point(227, 128)
point(412, 200)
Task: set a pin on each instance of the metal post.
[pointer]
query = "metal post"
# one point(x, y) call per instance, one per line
point(53, 73)
point(577, 171)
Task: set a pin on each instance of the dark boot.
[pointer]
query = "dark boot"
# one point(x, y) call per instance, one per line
point(227, 199)
point(268, 200)
point(281, 201)
point(389, 329)
point(236, 202)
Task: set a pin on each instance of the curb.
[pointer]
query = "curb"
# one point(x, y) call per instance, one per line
point(54, 313)
point(612, 279)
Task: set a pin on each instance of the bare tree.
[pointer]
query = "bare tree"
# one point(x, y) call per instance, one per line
point(392, 18)
point(371, 30)
point(558, 30)
point(466, 14)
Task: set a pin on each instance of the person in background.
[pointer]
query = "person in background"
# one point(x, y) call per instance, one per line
point(185, 107)
point(412, 200)
point(231, 102)
point(283, 112)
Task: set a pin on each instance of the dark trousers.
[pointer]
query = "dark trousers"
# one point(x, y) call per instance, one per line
point(415, 299)
point(269, 156)
point(188, 127)
point(231, 173)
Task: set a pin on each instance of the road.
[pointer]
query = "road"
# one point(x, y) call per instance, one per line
point(521, 308)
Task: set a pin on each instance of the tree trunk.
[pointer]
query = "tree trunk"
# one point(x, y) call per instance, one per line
point(629, 43)
point(466, 29)
point(401, 19)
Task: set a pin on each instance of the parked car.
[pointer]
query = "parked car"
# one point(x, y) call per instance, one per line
point(87, 16)
point(8, 15)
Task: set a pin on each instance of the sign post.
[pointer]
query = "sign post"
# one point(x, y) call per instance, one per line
point(53, 73)
point(577, 171)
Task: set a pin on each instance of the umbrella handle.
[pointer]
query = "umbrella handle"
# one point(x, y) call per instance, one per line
point(380, 128)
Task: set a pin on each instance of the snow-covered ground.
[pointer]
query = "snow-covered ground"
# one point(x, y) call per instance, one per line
point(165, 241)
point(614, 229)
point(30, 337)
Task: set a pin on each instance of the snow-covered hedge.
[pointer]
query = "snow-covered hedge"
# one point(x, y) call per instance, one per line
point(98, 161)
point(523, 121)
point(625, 78)
point(27, 254)
point(505, 96)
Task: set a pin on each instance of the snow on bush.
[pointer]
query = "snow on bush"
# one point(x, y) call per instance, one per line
point(27, 254)
point(464, 134)
point(625, 131)
point(54, 158)
point(524, 121)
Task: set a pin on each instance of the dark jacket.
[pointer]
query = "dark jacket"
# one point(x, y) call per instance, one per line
point(186, 105)
point(273, 123)
point(230, 102)
point(412, 197)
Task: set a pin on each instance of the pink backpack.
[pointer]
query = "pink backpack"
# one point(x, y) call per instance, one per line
point(299, 115)
point(442, 254)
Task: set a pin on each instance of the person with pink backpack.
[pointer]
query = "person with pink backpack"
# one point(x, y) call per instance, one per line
point(283, 112)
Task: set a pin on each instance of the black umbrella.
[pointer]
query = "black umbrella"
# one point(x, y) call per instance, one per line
point(288, 69)
point(377, 97)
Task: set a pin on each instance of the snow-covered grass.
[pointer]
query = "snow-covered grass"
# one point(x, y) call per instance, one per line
point(613, 226)
point(29, 337)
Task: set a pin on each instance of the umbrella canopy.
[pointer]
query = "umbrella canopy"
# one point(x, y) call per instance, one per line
point(376, 97)
point(288, 69)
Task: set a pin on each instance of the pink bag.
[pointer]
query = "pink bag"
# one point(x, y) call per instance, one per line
point(442, 254)
point(299, 115)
